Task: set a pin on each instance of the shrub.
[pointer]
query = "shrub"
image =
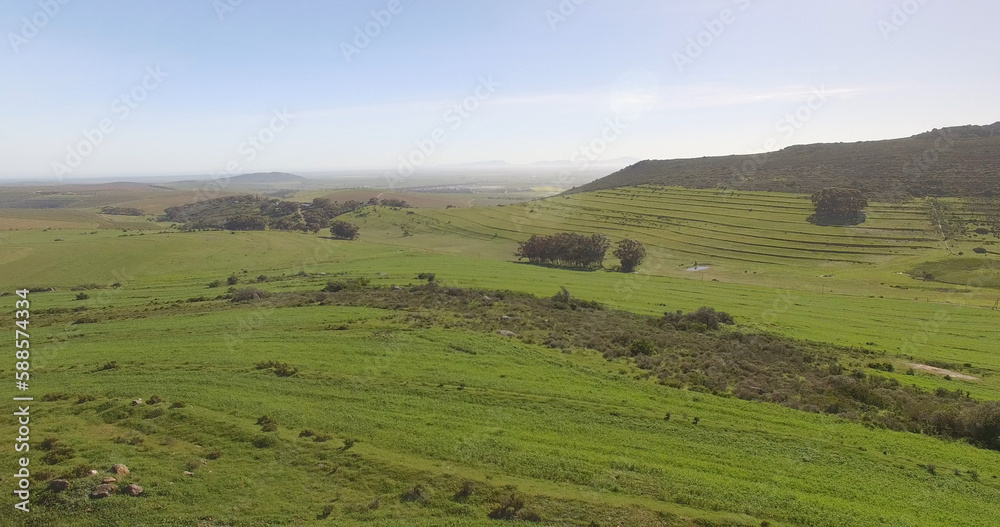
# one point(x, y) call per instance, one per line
point(154, 399)
point(977, 250)
point(510, 503)
point(79, 471)
point(212, 456)
point(113, 365)
point(248, 294)
point(426, 276)
point(265, 441)
point(343, 230)
point(418, 493)
point(353, 284)
point(82, 296)
point(641, 347)
point(214, 283)
point(323, 438)
point(281, 369)
point(466, 491)
point(232, 280)
point(178, 404)
point(262, 278)
point(348, 443)
point(307, 433)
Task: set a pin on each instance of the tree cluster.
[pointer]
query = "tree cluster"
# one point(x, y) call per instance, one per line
point(565, 249)
point(122, 211)
point(343, 230)
point(245, 222)
point(839, 206)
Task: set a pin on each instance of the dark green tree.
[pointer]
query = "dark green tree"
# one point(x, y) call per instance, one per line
point(343, 230)
point(631, 253)
point(839, 206)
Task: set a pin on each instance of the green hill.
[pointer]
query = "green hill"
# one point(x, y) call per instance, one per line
point(949, 162)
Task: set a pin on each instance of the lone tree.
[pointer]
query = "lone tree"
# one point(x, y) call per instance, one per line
point(839, 206)
point(343, 230)
point(631, 253)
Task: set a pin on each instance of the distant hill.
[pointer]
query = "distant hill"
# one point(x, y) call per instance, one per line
point(959, 161)
point(267, 177)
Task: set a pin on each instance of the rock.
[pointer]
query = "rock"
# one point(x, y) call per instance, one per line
point(134, 490)
point(137, 402)
point(93, 472)
point(505, 318)
point(186, 473)
point(58, 485)
point(119, 469)
point(103, 491)
point(109, 480)
point(506, 333)
point(397, 288)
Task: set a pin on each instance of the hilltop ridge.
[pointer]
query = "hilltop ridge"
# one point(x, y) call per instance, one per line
point(962, 161)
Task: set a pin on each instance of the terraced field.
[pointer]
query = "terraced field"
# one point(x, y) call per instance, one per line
point(700, 225)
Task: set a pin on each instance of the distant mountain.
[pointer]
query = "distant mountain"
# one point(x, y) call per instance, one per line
point(268, 177)
point(618, 161)
point(961, 161)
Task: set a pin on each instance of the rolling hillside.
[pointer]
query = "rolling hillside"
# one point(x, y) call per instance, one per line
point(959, 161)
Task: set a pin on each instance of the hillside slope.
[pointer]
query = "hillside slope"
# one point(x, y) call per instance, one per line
point(958, 162)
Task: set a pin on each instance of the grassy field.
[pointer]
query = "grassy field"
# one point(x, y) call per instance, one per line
point(582, 439)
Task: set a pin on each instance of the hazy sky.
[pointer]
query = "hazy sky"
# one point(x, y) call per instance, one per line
point(181, 86)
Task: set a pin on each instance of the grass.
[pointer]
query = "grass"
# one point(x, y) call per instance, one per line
point(581, 438)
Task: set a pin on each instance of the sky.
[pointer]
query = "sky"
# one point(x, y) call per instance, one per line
point(136, 88)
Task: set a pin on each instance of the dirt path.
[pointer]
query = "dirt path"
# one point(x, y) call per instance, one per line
point(942, 371)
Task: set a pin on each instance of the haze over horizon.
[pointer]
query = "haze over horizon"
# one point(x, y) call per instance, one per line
point(141, 88)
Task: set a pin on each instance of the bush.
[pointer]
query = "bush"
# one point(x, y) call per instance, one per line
point(426, 276)
point(82, 296)
point(265, 441)
point(214, 283)
point(343, 230)
point(232, 280)
point(354, 284)
point(154, 399)
point(349, 442)
point(248, 294)
point(641, 347)
point(466, 491)
point(977, 250)
point(281, 369)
